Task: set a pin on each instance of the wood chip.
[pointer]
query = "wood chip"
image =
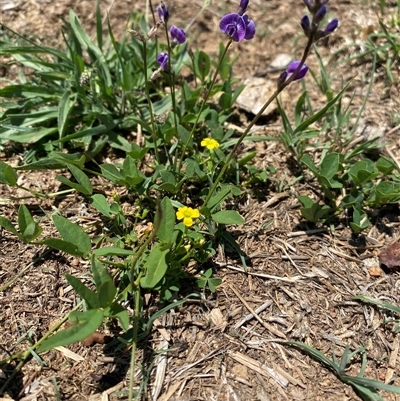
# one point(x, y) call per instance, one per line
point(70, 354)
point(258, 367)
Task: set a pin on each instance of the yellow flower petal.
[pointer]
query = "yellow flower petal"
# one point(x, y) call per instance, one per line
point(188, 221)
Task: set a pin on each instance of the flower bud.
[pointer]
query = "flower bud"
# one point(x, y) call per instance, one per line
point(320, 14)
point(305, 24)
point(242, 7)
point(163, 12)
point(178, 35)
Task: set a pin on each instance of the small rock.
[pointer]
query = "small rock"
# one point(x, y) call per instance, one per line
point(280, 62)
point(257, 91)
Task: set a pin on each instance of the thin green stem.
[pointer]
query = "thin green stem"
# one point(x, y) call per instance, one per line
point(172, 82)
point(205, 99)
point(135, 323)
point(147, 90)
point(255, 119)
point(135, 286)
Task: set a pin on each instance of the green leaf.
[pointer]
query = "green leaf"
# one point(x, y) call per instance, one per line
point(5, 223)
point(83, 185)
point(317, 116)
point(64, 110)
point(167, 223)
point(112, 173)
point(113, 251)
point(131, 173)
point(88, 295)
point(56, 160)
point(94, 52)
point(385, 165)
point(85, 324)
point(202, 64)
point(360, 221)
point(27, 226)
point(116, 311)
point(377, 302)
point(155, 267)
point(217, 199)
point(99, 201)
point(82, 179)
point(7, 174)
point(106, 289)
point(228, 217)
point(72, 233)
point(306, 159)
point(61, 245)
point(330, 165)
point(363, 171)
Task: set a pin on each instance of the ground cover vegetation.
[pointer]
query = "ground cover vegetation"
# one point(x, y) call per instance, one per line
point(68, 108)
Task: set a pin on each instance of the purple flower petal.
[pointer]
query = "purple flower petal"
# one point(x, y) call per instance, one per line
point(305, 24)
point(163, 12)
point(320, 14)
point(292, 67)
point(162, 59)
point(250, 27)
point(242, 7)
point(331, 26)
point(234, 26)
point(237, 27)
point(178, 35)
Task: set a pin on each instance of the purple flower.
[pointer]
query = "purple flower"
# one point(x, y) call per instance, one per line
point(292, 67)
point(178, 35)
point(314, 5)
point(238, 27)
point(163, 12)
point(162, 59)
point(320, 14)
point(331, 26)
point(321, 33)
point(305, 24)
point(242, 7)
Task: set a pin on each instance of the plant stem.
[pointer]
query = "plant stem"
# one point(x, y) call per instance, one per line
point(256, 118)
point(135, 285)
point(205, 99)
point(172, 84)
point(153, 125)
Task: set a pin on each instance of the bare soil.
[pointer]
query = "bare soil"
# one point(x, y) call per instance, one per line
point(306, 280)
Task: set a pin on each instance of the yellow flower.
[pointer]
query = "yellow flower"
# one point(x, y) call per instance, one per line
point(210, 143)
point(187, 214)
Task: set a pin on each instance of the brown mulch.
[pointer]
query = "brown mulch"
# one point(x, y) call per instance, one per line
point(303, 280)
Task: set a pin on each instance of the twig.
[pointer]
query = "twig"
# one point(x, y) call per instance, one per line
point(250, 315)
point(270, 328)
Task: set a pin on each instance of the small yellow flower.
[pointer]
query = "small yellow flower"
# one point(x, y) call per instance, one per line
point(210, 143)
point(187, 214)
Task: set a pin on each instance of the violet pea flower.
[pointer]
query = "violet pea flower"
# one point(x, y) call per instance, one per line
point(178, 35)
point(238, 27)
point(320, 14)
point(331, 26)
point(163, 13)
point(162, 59)
point(292, 67)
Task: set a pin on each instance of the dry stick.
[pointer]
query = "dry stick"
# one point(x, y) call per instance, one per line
point(270, 328)
point(287, 280)
point(250, 316)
